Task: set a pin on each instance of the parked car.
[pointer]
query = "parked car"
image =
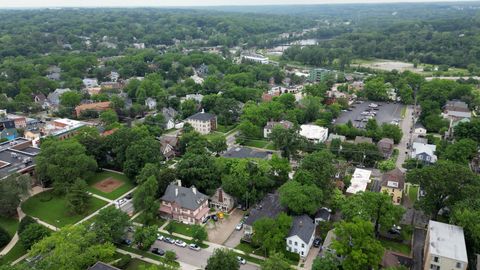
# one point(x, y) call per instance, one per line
point(121, 201)
point(158, 251)
point(241, 260)
point(317, 242)
point(180, 243)
point(214, 217)
point(127, 242)
point(160, 237)
point(169, 240)
point(194, 247)
point(239, 226)
point(129, 196)
point(205, 220)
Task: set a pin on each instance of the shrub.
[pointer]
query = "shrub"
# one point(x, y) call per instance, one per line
point(32, 234)
point(4, 237)
point(27, 220)
point(123, 261)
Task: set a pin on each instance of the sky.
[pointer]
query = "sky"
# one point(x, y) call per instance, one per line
point(169, 3)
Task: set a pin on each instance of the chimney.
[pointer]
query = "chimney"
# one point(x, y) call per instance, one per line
point(300, 223)
point(176, 192)
point(203, 110)
point(220, 195)
point(194, 190)
point(179, 182)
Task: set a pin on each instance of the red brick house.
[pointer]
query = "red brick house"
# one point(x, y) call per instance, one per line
point(182, 204)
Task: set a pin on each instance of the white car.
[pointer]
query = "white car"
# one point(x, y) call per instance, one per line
point(194, 247)
point(239, 226)
point(241, 260)
point(121, 201)
point(160, 237)
point(180, 243)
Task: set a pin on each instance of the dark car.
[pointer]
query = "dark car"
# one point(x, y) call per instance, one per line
point(127, 242)
point(158, 251)
point(129, 196)
point(214, 217)
point(317, 242)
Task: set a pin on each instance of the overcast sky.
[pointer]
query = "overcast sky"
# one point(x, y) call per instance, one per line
point(163, 3)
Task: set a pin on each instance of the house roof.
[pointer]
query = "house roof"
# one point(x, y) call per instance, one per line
point(456, 105)
point(169, 113)
point(102, 266)
point(245, 152)
point(189, 198)
point(54, 97)
point(283, 123)
point(394, 179)
point(419, 148)
point(419, 125)
point(269, 207)
point(359, 181)
point(386, 141)
point(313, 131)
point(303, 227)
point(202, 116)
point(333, 136)
point(447, 241)
point(361, 139)
point(322, 214)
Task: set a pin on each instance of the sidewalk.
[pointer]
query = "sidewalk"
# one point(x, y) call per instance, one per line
point(183, 266)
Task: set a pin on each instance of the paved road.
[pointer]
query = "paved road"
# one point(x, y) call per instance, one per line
point(230, 139)
point(406, 124)
point(192, 257)
point(234, 239)
point(418, 242)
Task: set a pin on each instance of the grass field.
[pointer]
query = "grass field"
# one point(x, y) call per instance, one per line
point(256, 143)
point(9, 224)
point(135, 264)
point(225, 129)
point(214, 134)
point(127, 184)
point(147, 254)
point(52, 209)
point(158, 221)
point(412, 194)
point(182, 228)
point(16, 252)
point(395, 246)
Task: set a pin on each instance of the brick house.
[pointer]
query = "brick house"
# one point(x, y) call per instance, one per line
point(186, 205)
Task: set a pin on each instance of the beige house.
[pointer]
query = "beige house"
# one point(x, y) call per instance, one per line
point(445, 247)
point(393, 183)
point(222, 201)
point(203, 122)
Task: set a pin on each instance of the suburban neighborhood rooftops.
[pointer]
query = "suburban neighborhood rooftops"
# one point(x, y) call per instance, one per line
point(456, 105)
point(102, 266)
point(202, 116)
point(447, 241)
point(394, 179)
point(322, 214)
point(189, 198)
point(283, 123)
point(360, 180)
point(245, 152)
point(16, 156)
point(419, 148)
point(303, 227)
point(269, 207)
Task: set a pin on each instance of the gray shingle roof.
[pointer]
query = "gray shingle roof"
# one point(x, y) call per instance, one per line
point(245, 152)
point(189, 198)
point(303, 227)
point(102, 266)
point(202, 116)
point(269, 207)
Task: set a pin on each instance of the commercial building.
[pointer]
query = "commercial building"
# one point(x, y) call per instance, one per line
point(17, 156)
point(314, 133)
point(203, 122)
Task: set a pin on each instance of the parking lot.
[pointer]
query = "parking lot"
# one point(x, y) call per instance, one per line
point(384, 113)
point(220, 231)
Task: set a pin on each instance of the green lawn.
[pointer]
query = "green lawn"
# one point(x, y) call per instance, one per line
point(225, 129)
point(249, 258)
point(52, 209)
point(212, 135)
point(16, 252)
point(246, 248)
point(135, 264)
point(182, 228)
point(147, 254)
point(127, 184)
point(291, 257)
point(412, 194)
point(256, 143)
point(9, 224)
point(158, 221)
point(395, 246)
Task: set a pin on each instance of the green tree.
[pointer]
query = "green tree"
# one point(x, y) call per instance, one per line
point(62, 162)
point(217, 144)
point(170, 255)
point(78, 200)
point(276, 261)
point(373, 206)
point(70, 99)
point(4, 237)
point(144, 199)
point(461, 151)
point(356, 244)
point(139, 153)
point(32, 234)
point(465, 214)
point(71, 248)
point(145, 236)
point(199, 234)
point(270, 233)
point(375, 89)
point(392, 131)
point(287, 140)
point(110, 224)
point(222, 259)
point(325, 263)
point(445, 183)
point(301, 199)
point(12, 189)
point(319, 167)
point(199, 170)
point(109, 117)
point(188, 108)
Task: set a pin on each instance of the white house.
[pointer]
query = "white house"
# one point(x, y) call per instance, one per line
point(197, 97)
point(169, 115)
point(420, 130)
point(203, 122)
point(314, 133)
point(90, 82)
point(301, 235)
point(359, 181)
point(151, 103)
point(256, 58)
point(424, 152)
point(271, 124)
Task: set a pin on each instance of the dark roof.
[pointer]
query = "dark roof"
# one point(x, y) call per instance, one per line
point(189, 198)
point(396, 176)
point(284, 123)
point(202, 116)
point(6, 123)
point(303, 227)
point(323, 214)
point(245, 152)
point(419, 125)
point(386, 141)
point(361, 139)
point(269, 207)
point(456, 105)
point(102, 266)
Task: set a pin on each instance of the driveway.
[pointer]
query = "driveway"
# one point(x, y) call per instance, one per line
point(219, 231)
point(418, 243)
point(192, 257)
point(312, 254)
point(234, 239)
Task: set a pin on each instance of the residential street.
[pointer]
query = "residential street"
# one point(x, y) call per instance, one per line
point(418, 242)
point(406, 125)
point(192, 257)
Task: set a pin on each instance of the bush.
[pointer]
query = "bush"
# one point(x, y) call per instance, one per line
point(27, 220)
point(4, 237)
point(124, 261)
point(32, 234)
point(292, 256)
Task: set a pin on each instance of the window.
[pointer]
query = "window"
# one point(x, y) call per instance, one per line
point(435, 259)
point(302, 253)
point(289, 242)
point(459, 265)
point(303, 245)
point(434, 267)
point(296, 244)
